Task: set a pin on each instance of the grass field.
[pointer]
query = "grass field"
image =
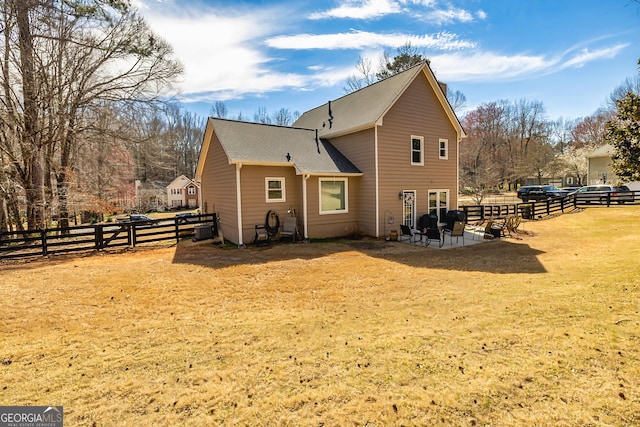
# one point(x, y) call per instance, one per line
point(537, 330)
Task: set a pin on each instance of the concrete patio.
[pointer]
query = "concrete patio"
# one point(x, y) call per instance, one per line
point(471, 237)
point(473, 234)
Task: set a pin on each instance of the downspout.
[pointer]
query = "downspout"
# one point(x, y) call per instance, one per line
point(375, 145)
point(305, 216)
point(199, 190)
point(458, 172)
point(239, 205)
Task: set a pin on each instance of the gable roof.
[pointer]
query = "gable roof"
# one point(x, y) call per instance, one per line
point(183, 182)
point(602, 151)
point(269, 145)
point(348, 115)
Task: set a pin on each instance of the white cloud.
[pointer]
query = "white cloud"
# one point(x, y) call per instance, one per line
point(221, 50)
point(363, 39)
point(447, 16)
point(491, 66)
point(585, 55)
point(359, 9)
point(426, 10)
point(487, 66)
point(227, 51)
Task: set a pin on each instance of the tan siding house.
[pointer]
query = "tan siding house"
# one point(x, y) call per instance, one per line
point(182, 192)
point(599, 169)
point(363, 163)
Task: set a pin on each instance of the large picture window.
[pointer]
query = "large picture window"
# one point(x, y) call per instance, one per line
point(334, 195)
point(417, 150)
point(274, 188)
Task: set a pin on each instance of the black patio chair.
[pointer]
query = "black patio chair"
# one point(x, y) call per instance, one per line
point(407, 233)
point(433, 234)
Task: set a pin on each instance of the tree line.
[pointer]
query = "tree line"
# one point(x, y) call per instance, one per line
point(512, 143)
point(76, 77)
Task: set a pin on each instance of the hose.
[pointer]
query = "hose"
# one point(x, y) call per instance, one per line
point(272, 223)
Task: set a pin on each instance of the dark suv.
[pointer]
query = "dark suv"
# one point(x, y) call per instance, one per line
point(540, 192)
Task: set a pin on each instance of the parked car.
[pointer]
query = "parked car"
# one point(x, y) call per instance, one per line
point(186, 217)
point(602, 193)
point(138, 219)
point(540, 192)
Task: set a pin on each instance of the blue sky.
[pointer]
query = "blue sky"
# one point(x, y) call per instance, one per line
point(568, 54)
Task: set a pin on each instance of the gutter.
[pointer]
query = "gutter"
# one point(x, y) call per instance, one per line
point(239, 205)
point(305, 177)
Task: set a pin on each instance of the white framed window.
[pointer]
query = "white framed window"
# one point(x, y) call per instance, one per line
point(192, 191)
point(443, 149)
point(438, 203)
point(417, 150)
point(334, 195)
point(274, 190)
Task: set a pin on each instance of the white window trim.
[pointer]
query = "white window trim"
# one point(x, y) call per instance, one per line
point(282, 188)
point(446, 149)
point(346, 196)
point(421, 162)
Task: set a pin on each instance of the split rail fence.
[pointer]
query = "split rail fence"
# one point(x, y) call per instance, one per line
point(538, 209)
point(52, 241)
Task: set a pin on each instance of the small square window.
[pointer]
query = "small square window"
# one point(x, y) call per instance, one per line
point(417, 150)
point(274, 189)
point(443, 149)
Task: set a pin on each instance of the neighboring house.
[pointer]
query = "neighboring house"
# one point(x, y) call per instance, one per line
point(599, 169)
point(363, 163)
point(599, 166)
point(182, 193)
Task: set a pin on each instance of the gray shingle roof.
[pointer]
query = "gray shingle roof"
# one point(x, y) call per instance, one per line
point(260, 144)
point(360, 109)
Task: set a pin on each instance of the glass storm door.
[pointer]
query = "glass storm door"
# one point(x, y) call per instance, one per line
point(409, 208)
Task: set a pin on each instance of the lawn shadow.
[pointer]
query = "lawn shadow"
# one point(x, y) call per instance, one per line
point(500, 257)
point(503, 256)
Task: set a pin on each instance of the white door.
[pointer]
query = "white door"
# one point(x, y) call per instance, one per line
point(409, 208)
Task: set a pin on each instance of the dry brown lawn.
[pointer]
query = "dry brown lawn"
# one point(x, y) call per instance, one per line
point(535, 331)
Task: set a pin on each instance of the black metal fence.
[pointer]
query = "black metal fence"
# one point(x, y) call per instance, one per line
point(51, 241)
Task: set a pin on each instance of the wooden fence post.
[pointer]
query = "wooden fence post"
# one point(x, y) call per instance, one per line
point(43, 237)
point(129, 236)
point(134, 237)
point(175, 220)
point(98, 236)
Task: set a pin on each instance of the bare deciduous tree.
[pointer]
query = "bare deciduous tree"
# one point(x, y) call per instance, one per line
point(365, 76)
point(283, 117)
point(71, 57)
point(219, 109)
point(261, 116)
